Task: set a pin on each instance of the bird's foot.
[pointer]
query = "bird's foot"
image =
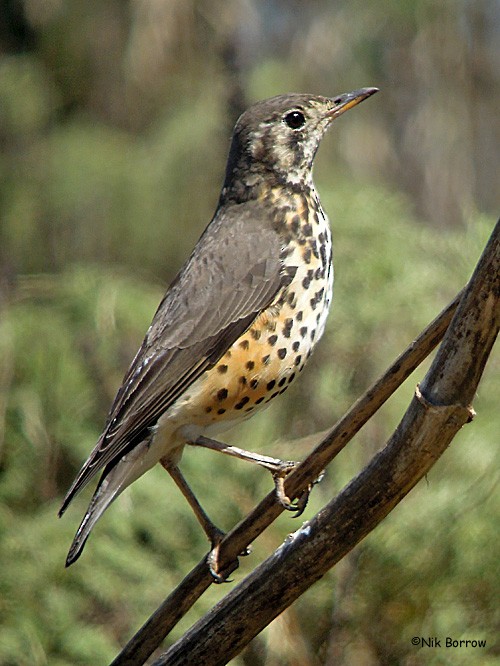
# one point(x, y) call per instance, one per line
point(300, 503)
point(221, 575)
point(279, 475)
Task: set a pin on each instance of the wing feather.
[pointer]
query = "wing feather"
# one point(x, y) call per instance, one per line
point(233, 274)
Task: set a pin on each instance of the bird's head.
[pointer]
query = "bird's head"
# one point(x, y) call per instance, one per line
point(278, 138)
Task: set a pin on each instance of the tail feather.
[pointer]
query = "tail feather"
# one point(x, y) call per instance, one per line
point(107, 490)
point(86, 473)
point(113, 481)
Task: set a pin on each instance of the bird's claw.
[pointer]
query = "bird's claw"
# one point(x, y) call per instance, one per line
point(221, 575)
point(279, 477)
point(279, 482)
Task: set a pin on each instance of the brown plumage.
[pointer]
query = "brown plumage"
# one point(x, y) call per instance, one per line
point(242, 316)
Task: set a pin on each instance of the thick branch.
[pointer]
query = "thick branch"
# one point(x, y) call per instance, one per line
point(437, 412)
point(177, 604)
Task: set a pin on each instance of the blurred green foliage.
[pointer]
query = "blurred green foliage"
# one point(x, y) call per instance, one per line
point(113, 134)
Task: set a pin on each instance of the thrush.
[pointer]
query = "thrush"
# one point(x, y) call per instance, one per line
point(239, 321)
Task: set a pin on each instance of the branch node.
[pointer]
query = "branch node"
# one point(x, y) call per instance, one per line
point(466, 414)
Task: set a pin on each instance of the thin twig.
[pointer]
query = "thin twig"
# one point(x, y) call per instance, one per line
point(180, 600)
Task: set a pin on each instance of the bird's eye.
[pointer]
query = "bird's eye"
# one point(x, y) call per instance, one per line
point(295, 119)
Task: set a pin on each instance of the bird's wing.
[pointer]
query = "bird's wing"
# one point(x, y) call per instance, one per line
point(234, 272)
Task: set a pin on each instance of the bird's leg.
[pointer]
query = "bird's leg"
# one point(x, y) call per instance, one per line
point(214, 534)
point(278, 468)
point(274, 465)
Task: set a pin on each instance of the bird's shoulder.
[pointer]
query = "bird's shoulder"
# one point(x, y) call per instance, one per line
point(234, 269)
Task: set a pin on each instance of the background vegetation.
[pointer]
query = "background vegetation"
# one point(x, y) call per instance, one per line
point(114, 124)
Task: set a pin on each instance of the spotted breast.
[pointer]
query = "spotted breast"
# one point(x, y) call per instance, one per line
point(264, 361)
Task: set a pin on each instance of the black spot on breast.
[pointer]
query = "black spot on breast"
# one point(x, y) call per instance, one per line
point(323, 255)
point(222, 369)
point(317, 298)
point(287, 328)
point(254, 383)
point(255, 333)
point(307, 229)
point(282, 382)
point(244, 344)
point(292, 300)
point(250, 365)
point(299, 315)
point(221, 411)
point(242, 402)
point(222, 394)
point(272, 339)
point(282, 353)
point(306, 255)
point(298, 359)
point(303, 331)
point(266, 359)
point(271, 385)
point(257, 402)
point(296, 346)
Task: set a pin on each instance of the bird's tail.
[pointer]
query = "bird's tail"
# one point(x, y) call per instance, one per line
point(107, 490)
point(111, 484)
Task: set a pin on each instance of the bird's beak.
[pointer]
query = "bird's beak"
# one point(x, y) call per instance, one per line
point(348, 101)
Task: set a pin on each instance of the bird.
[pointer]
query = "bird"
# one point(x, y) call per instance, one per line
point(239, 321)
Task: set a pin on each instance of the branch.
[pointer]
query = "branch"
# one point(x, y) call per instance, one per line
point(178, 603)
point(439, 409)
